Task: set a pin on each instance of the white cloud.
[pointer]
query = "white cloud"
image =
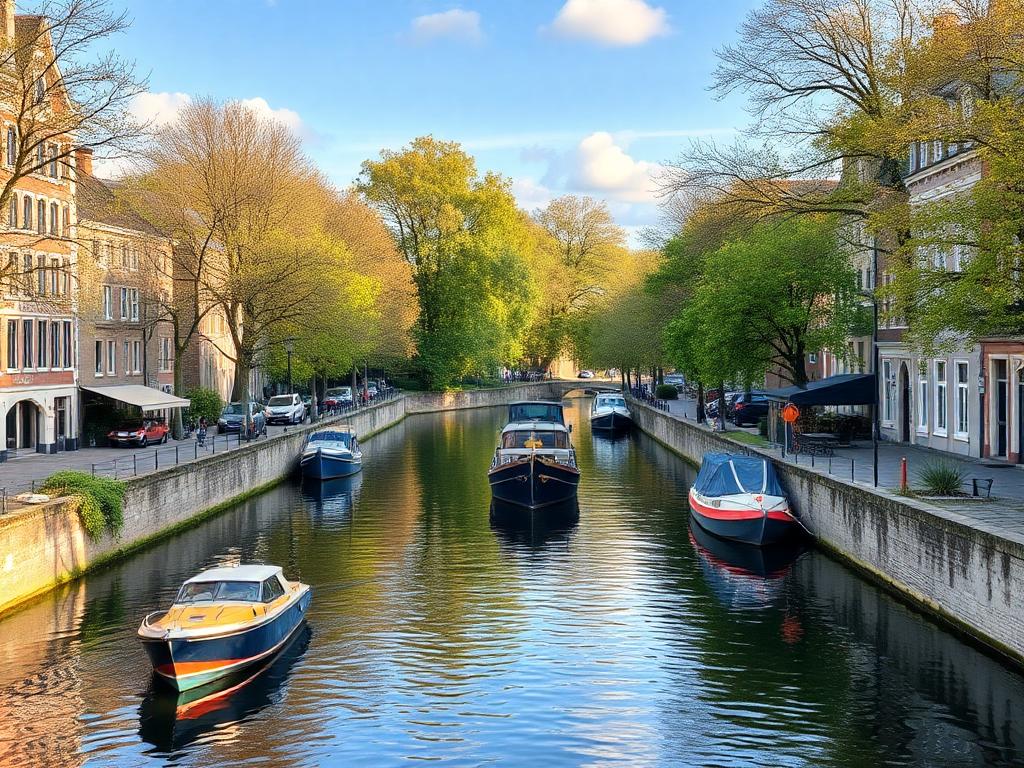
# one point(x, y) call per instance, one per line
point(158, 109)
point(612, 22)
point(602, 166)
point(287, 117)
point(530, 194)
point(453, 25)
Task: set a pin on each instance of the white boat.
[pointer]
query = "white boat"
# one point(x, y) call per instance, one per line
point(608, 413)
point(331, 453)
point(534, 466)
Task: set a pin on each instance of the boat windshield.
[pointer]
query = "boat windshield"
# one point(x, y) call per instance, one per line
point(612, 402)
point(330, 437)
point(535, 412)
point(534, 439)
point(219, 591)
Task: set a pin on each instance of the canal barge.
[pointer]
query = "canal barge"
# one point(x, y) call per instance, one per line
point(534, 465)
point(740, 498)
point(222, 621)
point(331, 453)
point(608, 413)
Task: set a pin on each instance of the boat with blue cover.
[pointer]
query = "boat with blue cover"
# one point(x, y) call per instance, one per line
point(739, 497)
point(331, 453)
point(222, 621)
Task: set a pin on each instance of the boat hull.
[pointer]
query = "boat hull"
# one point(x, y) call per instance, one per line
point(187, 663)
point(610, 422)
point(319, 466)
point(533, 483)
point(742, 523)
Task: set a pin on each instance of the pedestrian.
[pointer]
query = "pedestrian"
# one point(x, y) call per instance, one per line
point(201, 433)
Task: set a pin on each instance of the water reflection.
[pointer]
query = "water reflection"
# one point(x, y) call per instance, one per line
point(535, 529)
point(443, 634)
point(170, 720)
point(332, 501)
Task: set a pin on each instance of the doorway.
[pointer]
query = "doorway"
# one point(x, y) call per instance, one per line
point(1002, 398)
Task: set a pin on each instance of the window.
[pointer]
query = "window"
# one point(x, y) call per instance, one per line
point(127, 360)
point(12, 344)
point(26, 220)
point(13, 283)
point(67, 358)
point(41, 344)
point(124, 256)
point(41, 275)
point(27, 270)
point(108, 303)
point(12, 213)
point(136, 357)
point(922, 154)
point(889, 380)
point(134, 260)
point(124, 303)
point(111, 357)
point(66, 221)
point(54, 219)
point(27, 349)
point(165, 353)
point(99, 358)
point(272, 590)
point(41, 217)
point(12, 146)
point(922, 402)
point(936, 151)
point(55, 344)
point(55, 284)
point(962, 401)
point(940, 398)
point(912, 165)
point(133, 298)
point(66, 276)
point(40, 89)
point(53, 161)
point(860, 357)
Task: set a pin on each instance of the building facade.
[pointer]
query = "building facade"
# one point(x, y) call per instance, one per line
point(38, 334)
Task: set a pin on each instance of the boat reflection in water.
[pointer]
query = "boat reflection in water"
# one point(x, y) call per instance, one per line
point(170, 720)
point(534, 528)
point(741, 575)
point(333, 498)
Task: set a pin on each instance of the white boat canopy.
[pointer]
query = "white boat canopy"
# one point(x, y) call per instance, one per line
point(146, 398)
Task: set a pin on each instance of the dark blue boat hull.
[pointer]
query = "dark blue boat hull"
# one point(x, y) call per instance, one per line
point(533, 484)
point(759, 531)
point(610, 422)
point(320, 467)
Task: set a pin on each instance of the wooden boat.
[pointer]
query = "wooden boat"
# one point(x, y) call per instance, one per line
point(222, 621)
point(331, 453)
point(739, 497)
point(534, 465)
point(608, 413)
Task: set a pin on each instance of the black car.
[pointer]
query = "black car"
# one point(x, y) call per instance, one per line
point(749, 408)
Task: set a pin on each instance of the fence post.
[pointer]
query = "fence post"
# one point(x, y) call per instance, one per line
point(853, 475)
point(176, 461)
point(156, 459)
point(94, 470)
point(135, 464)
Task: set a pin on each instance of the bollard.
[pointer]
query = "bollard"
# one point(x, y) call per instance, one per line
point(812, 461)
point(135, 464)
point(830, 465)
point(214, 446)
point(195, 450)
point(853, 477)
point(156, 460)
point(903, 474)
point(176, 455)
point(94, 470)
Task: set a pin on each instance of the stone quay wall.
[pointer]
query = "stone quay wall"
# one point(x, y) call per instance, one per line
point(939, 560)
point(44, 545)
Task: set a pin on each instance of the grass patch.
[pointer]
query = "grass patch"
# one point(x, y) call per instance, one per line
point(747, 438)
point(942, 478)
point(100, 499)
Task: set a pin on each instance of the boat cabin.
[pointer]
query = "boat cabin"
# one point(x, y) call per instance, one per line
point(244, 584)
point(534, 436)
point(536, 410)
point(609, 401)
point(346, 436)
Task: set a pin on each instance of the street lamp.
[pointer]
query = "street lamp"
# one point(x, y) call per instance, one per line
point(289, 347)
point(870, 292)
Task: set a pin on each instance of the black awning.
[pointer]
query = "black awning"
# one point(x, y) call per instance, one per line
point(847, 389)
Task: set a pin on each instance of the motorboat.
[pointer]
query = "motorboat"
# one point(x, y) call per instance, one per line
point(608, 413)
point(534, 465)
point(739, 497)
point(222, 621)
point(331, 453)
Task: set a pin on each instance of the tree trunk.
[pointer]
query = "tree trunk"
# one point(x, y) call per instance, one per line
point(314, 410)
point(700, 403)
point(355, 383)
point(177, 429)
point(721, 404)
point(661, 375)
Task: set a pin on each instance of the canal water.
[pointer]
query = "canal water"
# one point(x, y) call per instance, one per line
point(436, 634)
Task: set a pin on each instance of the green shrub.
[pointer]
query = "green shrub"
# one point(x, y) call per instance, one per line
point(101, 500)
point(666, 392)
point(942, 479)
point(205, 402)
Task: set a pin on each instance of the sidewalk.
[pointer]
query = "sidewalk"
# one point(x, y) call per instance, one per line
point(1003, 513)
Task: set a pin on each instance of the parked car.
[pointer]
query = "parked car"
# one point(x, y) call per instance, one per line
point(233, 416)
point(749, 408)
point(676, 380)
point(585, 375)
point(139, 433)
point(338, 397)
point(285, 409)
point(372, 388)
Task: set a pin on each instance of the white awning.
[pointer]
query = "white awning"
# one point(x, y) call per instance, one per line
point(147, 398)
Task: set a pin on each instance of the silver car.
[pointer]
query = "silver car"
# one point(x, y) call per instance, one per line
point(286, 409)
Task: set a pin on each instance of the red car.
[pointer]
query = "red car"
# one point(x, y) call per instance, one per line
point(141, 432)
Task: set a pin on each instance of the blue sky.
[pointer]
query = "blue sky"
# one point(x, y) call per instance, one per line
point(584, 96)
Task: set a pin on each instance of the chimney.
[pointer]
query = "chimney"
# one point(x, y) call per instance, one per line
point(83, 159)
point(7, 7)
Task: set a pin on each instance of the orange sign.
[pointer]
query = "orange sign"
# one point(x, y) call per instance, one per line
point(790, 413)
